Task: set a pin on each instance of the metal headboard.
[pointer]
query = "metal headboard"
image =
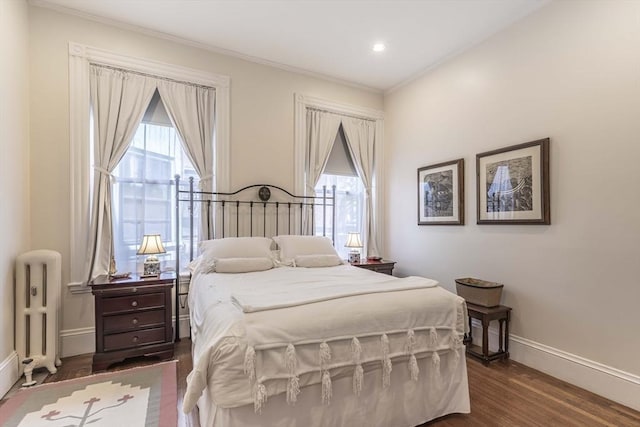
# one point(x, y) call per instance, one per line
point(235, 213)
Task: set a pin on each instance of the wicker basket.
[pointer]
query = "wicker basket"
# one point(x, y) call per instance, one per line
point(480, 292)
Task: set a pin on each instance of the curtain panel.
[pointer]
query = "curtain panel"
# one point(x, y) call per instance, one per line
point(192, 111)
point(119, 100)
point(322, 128)
point(361, 138)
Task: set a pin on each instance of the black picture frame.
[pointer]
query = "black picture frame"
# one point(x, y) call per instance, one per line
point(512, 184)
point(441, 193)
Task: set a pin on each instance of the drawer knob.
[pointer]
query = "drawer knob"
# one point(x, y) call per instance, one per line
point(135, 339)
point(134, 303)
point(135, 321)
point(134, 290)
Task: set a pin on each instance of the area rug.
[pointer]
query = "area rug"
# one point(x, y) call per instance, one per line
point(138, 397)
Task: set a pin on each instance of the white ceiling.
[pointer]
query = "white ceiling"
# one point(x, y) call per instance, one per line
point(332, 38)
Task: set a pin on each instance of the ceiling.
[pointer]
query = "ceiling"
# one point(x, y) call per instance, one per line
point(332, 38)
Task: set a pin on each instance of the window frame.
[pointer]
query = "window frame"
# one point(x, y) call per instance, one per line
point(301, 104)
point(80, 57)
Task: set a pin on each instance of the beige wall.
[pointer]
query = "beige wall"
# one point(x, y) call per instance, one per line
point(261, 120)
point(14, 155)
point(570, 72)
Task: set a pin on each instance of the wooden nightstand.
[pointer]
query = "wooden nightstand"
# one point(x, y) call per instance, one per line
point(502, 314)
point(133, 318)
point(382, 266)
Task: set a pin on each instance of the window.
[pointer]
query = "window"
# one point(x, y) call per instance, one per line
point(81, 163)
point(341, 172)
point(349, 205)
point(144, 198)
point(370, 207)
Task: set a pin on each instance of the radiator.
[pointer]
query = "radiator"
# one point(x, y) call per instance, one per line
point(37, 296)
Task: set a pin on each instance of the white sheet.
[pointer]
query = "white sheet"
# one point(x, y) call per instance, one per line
point(220, 338)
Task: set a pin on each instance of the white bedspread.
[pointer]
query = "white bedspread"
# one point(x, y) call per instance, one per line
point(312, 340)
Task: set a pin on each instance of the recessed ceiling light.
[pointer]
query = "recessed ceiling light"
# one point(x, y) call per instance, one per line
point(379, 47)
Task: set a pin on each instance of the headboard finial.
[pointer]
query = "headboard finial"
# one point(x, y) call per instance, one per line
point(264, 193)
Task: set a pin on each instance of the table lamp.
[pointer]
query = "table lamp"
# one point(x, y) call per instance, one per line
point(151, 245)
point(354, 243)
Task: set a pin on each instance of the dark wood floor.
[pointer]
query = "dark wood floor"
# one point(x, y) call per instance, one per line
point(502, 394)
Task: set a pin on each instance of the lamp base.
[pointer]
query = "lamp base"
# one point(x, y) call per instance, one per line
point(354, 257)
point(151, 268)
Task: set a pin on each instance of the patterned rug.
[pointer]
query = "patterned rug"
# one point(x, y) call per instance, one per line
point(138, 397)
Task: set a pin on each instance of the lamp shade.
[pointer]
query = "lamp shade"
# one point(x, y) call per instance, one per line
point(151, 245)
point(353, 241)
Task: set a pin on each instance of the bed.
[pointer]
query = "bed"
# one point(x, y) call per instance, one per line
point(298, 338)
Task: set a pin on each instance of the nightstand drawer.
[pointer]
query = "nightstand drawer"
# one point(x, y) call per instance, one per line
point(133, 339)
point(133, 321)
point(133, 302)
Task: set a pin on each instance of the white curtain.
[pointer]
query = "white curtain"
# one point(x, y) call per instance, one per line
point(192, 111)
point(118, 100)
point(322, 128)
point(360, 135)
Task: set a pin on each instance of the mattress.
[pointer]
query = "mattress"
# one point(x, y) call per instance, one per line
point(383, 337)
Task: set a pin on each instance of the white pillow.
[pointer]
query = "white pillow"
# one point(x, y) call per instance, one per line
point(193, 265)
point(312, 261)
point(278, 262)
point(292, 246)
point(205, 265)
point(237, 247)
point(242, 265)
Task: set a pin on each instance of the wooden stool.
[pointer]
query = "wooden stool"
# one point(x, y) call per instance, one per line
point(502, 314)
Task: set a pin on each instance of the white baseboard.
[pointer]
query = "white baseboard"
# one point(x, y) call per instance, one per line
point(184, 325)
point(82, 340)
point(77, 341)
point(614, 384)
point(8, 373)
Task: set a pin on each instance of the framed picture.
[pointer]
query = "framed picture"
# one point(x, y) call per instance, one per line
point(513, 184)
point(441, 194)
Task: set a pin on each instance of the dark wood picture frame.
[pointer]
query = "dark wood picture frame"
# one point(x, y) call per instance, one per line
point(513, 184)
point(445, 204)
